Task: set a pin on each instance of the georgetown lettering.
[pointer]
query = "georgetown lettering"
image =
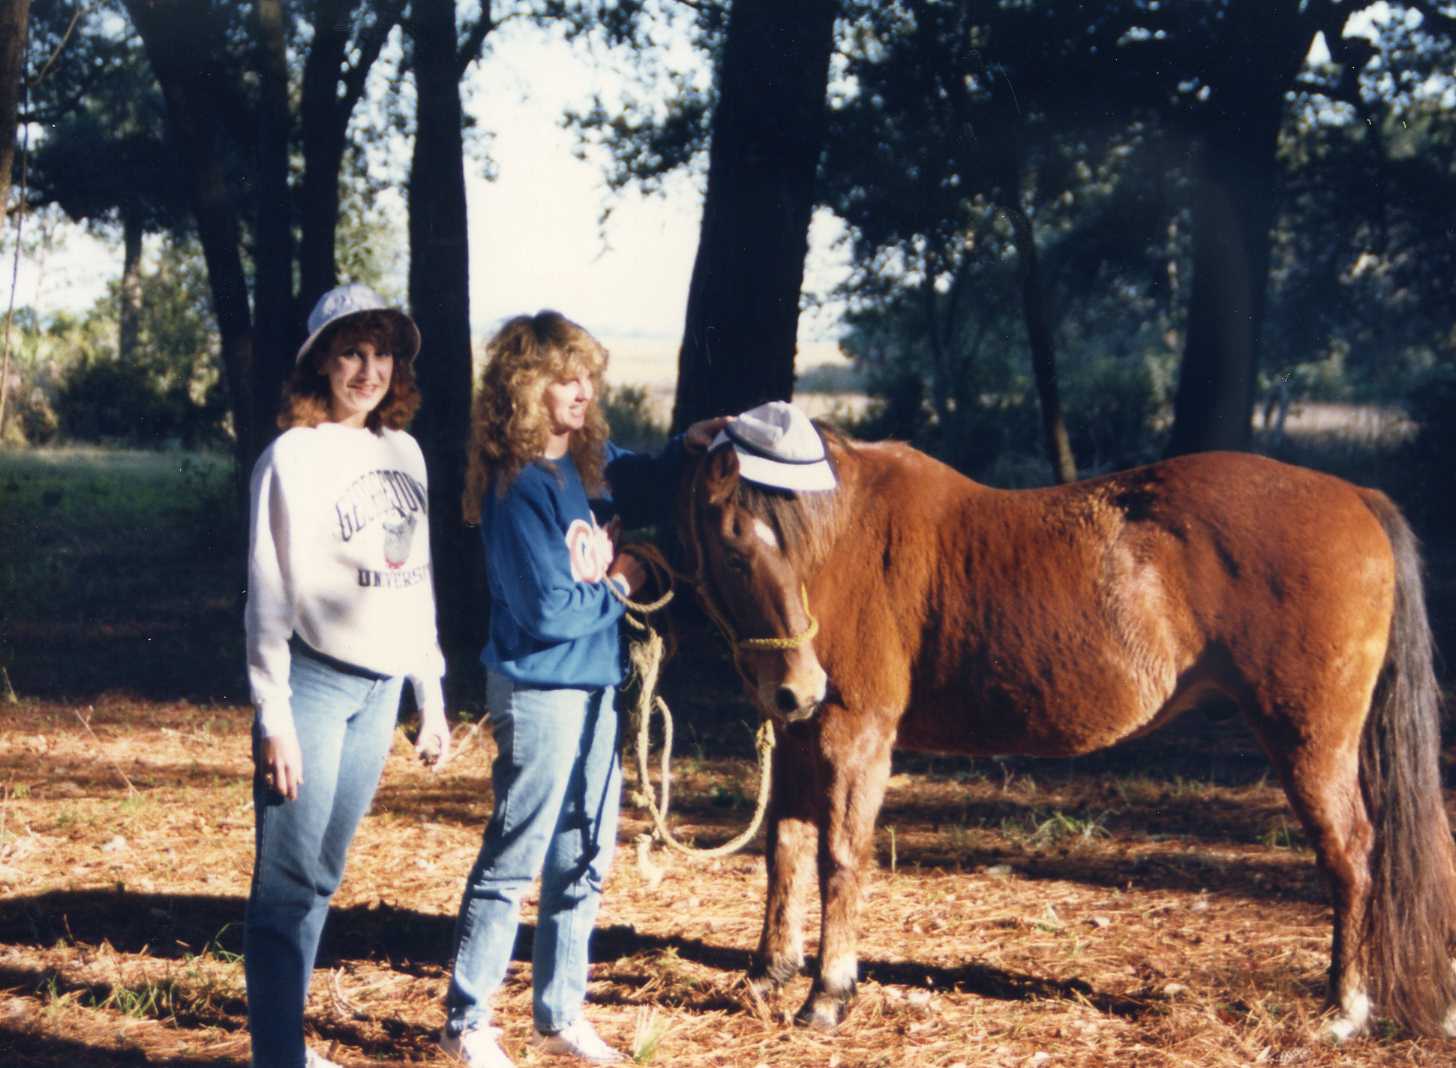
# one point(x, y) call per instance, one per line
point(375, 494)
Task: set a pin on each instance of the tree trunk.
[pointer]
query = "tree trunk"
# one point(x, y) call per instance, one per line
point(439, 283)
point(325, 124)
point(1233, 210)
point(334, 75)
point(130, 312)
point(741, 328)
point(14, 18)
point(182, 71)
point(1043, 350)
point(275, 330)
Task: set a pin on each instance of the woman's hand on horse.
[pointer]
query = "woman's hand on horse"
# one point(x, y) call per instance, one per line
point(281, 762)
point(701, 434)
point(628, 569)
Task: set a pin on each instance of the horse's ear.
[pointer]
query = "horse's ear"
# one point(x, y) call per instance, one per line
point(720, 474)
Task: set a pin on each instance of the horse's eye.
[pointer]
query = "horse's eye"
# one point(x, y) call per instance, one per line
point(736, 563)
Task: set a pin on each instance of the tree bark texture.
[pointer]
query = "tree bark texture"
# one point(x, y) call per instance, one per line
point(14, 18)
point(741, 328)
point(323, 150)
point(183, 67)
point(439, 284)
point(275, 328)
point(1233, 210)
point(331, 89)
point(1043, 350)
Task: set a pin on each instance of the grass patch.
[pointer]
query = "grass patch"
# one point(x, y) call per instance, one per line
point(122, 570)
point(97, 529)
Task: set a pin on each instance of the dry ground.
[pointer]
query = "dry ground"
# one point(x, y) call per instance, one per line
point(1152, 906)
point(1155, 907)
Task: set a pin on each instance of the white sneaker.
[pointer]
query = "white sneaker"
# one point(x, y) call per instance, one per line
point(578, 1040)
point(318, 1060)
point(476, 1048)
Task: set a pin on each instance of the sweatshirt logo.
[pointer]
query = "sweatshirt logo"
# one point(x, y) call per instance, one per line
point(376, 494)
point(590, 550)
point(399, 531)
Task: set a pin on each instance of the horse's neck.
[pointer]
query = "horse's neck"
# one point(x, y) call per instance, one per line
point(895, 493)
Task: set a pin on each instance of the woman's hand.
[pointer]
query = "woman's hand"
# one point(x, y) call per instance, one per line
point(627, 569)
point(433, 744)
point(701, 434)
point(280, 761)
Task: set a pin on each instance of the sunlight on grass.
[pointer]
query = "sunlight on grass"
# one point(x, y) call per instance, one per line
point(647, 1034)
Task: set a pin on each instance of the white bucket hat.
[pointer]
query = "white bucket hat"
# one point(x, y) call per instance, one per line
point(778, 446)
point(346, 300)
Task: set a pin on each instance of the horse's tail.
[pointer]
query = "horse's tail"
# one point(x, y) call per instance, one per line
point(1410, 924)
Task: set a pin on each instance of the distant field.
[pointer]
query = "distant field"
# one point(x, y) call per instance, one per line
point(829, 384)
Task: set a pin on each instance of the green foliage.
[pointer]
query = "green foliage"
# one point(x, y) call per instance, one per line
point(1113, 405)
point(171, 391)
point(634, 424)
point(111, 401)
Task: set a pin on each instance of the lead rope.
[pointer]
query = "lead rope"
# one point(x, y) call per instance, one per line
point(647, 654)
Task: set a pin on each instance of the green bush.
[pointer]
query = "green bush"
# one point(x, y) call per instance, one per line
point(629, 413)
point(1112, 406)
point(105, 400)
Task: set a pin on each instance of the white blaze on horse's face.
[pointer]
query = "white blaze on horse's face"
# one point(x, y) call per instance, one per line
point(764, 601)
point(765, 534)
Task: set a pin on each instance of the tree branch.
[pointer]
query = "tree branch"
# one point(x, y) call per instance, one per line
point(474, 39)
point(370, 44)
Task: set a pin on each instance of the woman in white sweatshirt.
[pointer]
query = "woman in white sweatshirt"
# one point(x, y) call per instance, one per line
point(340, 613)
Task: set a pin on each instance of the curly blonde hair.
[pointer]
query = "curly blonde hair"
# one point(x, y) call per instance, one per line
point(306, 395)
point(510, 427)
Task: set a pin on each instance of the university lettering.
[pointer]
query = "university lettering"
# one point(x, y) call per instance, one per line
point(393, 580)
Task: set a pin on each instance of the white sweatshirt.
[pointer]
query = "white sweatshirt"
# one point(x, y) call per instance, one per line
point(339, 553)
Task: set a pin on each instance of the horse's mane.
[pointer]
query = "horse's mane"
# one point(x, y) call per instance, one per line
point(806, 524)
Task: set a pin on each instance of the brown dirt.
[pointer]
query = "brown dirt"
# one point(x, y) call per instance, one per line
point(1154, 907)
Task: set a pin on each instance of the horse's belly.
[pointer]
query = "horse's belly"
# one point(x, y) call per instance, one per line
point(1097, 710)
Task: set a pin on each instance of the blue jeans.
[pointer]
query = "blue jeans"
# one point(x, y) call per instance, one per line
point(345, 725)
point(557, 785)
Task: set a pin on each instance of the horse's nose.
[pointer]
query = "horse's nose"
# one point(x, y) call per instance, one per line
point(787, 700)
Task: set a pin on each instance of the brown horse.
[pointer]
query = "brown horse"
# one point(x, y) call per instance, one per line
point(950, 617)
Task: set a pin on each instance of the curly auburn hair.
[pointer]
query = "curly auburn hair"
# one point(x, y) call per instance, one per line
point(510, 426)
point(306, 396)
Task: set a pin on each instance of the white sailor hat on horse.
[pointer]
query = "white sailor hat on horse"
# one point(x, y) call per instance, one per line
point(778, 446)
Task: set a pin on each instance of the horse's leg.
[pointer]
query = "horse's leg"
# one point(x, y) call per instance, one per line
point(789, 851)
point(1320, 770)
point(857, 767)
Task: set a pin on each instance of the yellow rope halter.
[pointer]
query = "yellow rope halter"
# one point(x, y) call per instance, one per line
point(647, 655)
point(793, 641)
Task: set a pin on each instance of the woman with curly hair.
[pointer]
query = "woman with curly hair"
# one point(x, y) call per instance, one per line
point(340, 612)
point(539, 456)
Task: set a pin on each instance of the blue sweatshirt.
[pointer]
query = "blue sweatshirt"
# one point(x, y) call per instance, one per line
point(553, 620)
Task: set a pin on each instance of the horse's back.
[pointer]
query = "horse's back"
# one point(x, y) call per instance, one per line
point(1062, 619)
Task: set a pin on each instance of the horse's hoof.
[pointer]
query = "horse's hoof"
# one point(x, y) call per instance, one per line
point(1352, 1017)
point(1339, 1030)
point(822, 1012)
point(1342, 1028)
